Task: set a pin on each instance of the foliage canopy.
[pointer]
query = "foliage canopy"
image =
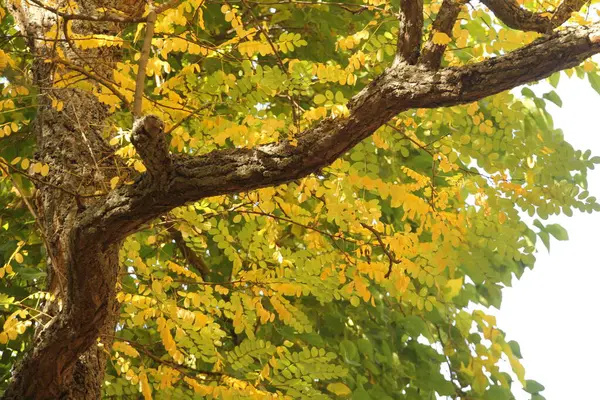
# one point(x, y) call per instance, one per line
point(363, 280)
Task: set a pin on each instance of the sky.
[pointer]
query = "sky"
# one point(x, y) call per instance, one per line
point(553, 311)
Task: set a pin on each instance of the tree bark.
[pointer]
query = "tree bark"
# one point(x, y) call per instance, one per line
point(67, 361)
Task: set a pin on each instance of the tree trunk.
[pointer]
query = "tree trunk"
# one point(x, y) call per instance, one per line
point(64, 363)
point(71, 143)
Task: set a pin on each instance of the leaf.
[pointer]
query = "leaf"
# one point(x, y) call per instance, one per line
point(37, 168)
point(553, 97)
point(360, 394)
point(114, 181)
point(319, 99)
point(497, 393)
point(528, 93)
point(533, 387)
point(594, 80)
point(545, 239)
point(516, 349)
point(339, 389)
point(441, 38)
point(454, 285)
point(45, 170)
point(365, 347)
point(554, 79)
point(557, 231)
point(145, 387)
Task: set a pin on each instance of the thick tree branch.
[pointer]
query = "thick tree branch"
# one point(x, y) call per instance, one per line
point(446, 17)
point(516, 17)
point(400, 88)
point(410, 30)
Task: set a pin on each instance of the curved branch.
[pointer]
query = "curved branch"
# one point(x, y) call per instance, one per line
point(410, 30)
point(516, 17)
point(399, 88)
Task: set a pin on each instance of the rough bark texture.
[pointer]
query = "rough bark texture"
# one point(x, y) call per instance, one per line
point(66, 361)
point(516, 17)
point(444, 22)
point(85, 233)
point(410, 30)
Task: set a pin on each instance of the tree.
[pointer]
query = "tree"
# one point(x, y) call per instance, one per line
point(278, 198)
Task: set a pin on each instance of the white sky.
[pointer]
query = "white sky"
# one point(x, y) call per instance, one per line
point(553, 311)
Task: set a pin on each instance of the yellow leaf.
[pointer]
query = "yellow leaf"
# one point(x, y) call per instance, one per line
point(139, 166)
point(19, 258)
point(37, 168)
point(114, 182)
point(440, 38)
point(502, 218)
point(45, 170)
point(339, 389)
point(3, 338)
point(145, 387)
point(472, 108)
point(454, 285)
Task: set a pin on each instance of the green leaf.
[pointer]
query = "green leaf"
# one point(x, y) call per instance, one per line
point(497, 393)
point(553, 97)
point(594, 81)
point(545, 239)
point(319, 99)
point(533, 387)
point(516, 349)
point(360, 394)
point(349, 351)
point(557, 231)
point(528, 93)
point(554, 79)
point(339, 389)
point(365, 347)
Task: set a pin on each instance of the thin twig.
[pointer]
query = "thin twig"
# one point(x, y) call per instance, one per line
point(96, 78)
point(141, 74)
point(391, 256)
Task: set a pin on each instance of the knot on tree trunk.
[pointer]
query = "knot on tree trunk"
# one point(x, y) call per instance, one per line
point(149, 140)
